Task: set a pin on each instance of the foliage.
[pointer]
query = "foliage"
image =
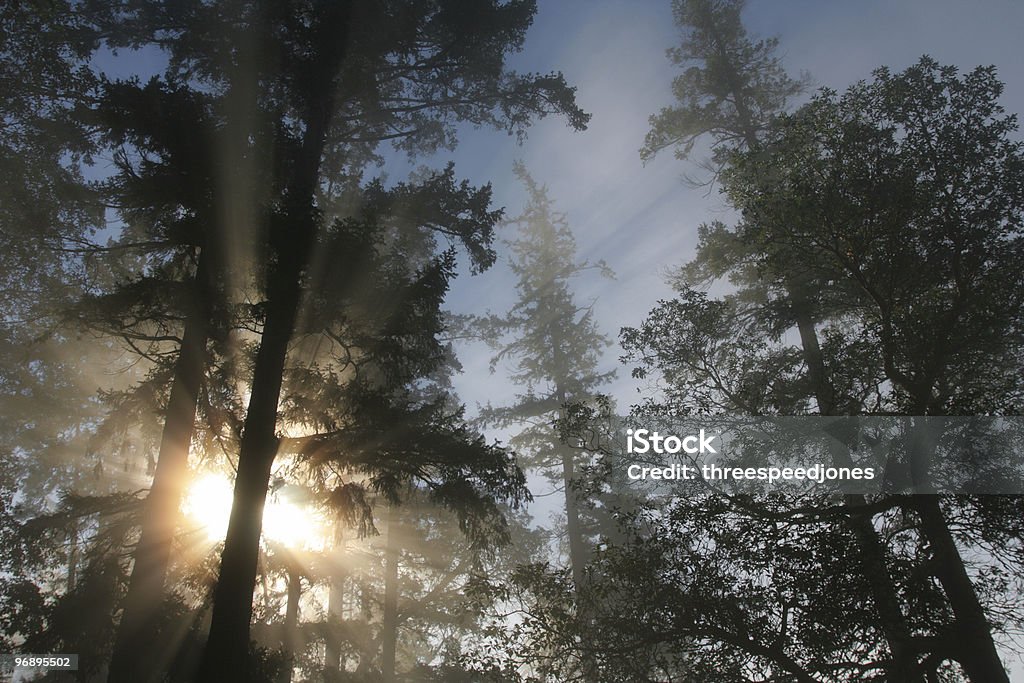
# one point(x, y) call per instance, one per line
point(731, 86)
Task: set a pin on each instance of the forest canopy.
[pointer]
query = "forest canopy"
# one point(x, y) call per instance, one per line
point(331, 328)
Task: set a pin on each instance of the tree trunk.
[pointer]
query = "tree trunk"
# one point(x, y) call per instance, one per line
point(389, 624)
point(367, 647)
point(577, 550)
point(292, 236)
point(73, 556)
point(977, 651)
point(227, 650)
point(335, 604)
point(893, 622)
point(573, 527)
point(132, 659)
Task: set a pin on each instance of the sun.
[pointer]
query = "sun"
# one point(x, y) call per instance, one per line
point(294, 525)
point(297, 526)
point(208, 503)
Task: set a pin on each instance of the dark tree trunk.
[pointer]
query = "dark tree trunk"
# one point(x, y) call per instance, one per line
point(367, 647)
point(332, 646)
point(977, 651)
point(132, 659)
point(73, 556)
point(291, 237)
point(227, 649)
point(893, 623)
point(335, 604)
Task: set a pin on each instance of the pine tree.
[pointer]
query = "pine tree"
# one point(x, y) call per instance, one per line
point(310, 87)
point(732, 92)
point(554, 351)
point(730, 88)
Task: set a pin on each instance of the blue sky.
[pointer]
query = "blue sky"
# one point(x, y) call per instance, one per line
point(642, 220)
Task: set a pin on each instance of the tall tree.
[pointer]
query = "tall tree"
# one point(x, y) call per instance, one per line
point(164, 192)
point(295, 104)
point(313, 84)
point(859, 195)
point(911, 188)
point(732, 90)
point(48, 402)
point(554, 351)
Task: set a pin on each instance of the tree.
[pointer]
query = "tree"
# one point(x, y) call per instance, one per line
point(907, 193)
point(859, 196)
point(554, 350)
point(896, 201)
point(261, 85)
point(163, 190)
point(730, 89)
point(733, 91)
point(49, 405)
point(407, 72)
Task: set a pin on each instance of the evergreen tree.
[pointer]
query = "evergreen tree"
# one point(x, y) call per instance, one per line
point(302, 85)
point(732, 91)
point(554, 351)
point(730, 88)
point(285, 104)
point(839, 166)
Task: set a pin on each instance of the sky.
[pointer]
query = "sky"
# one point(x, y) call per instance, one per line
point(642, 219)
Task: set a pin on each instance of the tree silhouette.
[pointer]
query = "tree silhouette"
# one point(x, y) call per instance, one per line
point(913, 173)
point(316, 88)
point(864, 167)
point(733, 93)
point(228, 166)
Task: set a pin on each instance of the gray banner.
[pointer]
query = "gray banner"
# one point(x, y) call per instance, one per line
point(14, 664)
point(869, 455)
